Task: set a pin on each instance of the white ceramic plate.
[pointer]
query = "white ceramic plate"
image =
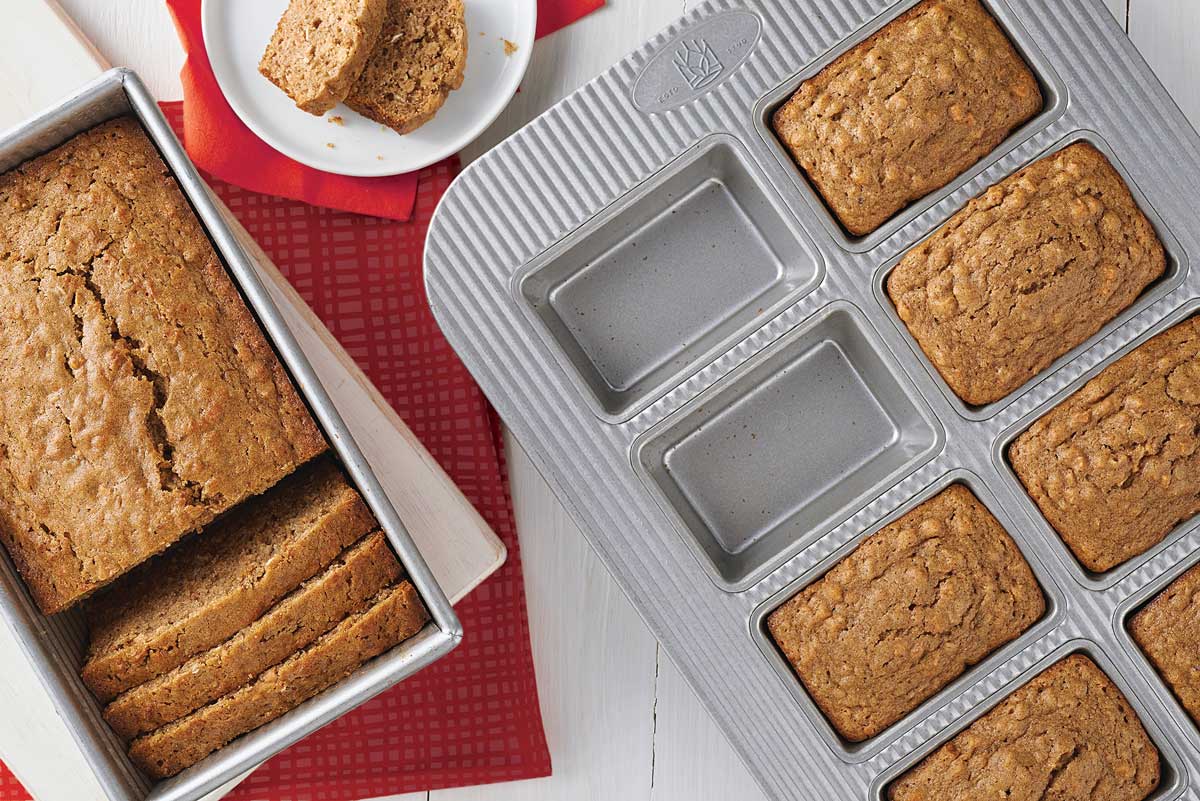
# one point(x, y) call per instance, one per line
point(236, 33)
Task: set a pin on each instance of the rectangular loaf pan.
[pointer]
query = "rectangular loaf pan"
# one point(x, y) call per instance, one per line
point(55, 645)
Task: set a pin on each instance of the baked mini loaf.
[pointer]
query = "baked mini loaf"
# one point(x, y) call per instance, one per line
point(1168, 631)
point(316, 606)
point(1025, 272)
point(140, 397)
point(907, 612)
point(391, 617)
point(1116, 466)
point(1069, 735)
point(907, 110)
point(320, 47)
point(421, 57)
point(204, 591)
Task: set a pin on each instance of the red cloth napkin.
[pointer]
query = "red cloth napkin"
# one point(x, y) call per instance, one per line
point(473, 717)
point(222, 145)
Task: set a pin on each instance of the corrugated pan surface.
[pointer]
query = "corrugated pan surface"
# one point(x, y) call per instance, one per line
point(582, 269)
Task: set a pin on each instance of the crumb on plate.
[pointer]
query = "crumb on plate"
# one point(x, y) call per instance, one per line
point(336, 119)
point(509, 46)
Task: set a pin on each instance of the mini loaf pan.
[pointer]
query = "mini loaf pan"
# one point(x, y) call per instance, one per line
point(708, 371)
point(55, 645)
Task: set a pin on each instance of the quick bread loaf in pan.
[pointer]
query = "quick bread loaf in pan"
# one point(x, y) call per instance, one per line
point(1168, 631)
point(141, 398)
point(1116, 466)
point(1026, 272)
point(908, 110)
point(907, 612)
point(212, 585)
point(1069, 735)
point(664, 494)
point(320, 603)
point(392, 616)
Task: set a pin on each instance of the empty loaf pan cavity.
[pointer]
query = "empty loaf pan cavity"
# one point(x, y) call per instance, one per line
point(787, 447)
point(670, 276)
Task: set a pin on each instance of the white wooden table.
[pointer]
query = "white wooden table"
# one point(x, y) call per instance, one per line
point(622, 723)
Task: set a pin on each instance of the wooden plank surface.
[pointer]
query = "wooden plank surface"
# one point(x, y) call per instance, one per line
point(590, 708)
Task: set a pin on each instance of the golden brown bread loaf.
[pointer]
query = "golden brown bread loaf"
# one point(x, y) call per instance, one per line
point(140, 398)
point(1025, 272)
point(1068, 735)
point(316, 606)
point(208, 588)
point(1116, 466)
point(907, 612)
point(389, 618)
point(1168, 631)
point(319, 49)
point(421, 57)
point(908, 110)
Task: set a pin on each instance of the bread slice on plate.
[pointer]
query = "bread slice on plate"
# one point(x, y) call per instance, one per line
point(420, 59)
point(319, 48)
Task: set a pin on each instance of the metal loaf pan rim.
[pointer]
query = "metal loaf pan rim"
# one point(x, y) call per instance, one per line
point(1057, 606)
point(1096, 582)
point(119, 92)
point(1055, 94)
point(1178, 266)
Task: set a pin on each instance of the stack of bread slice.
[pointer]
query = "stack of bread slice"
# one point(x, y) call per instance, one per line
point(393, 61)
point(277, 601)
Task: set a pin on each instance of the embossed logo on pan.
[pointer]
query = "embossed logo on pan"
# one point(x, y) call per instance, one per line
point(696, 61)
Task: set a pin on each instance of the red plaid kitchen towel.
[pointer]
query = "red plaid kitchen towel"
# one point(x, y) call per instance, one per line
point(473, 717)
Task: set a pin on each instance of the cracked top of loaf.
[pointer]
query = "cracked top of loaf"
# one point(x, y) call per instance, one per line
point(907, 612)
point(907, 110)
point(1069, 735)
point(1116, 466)
point(140, 397)
point(1027, 271)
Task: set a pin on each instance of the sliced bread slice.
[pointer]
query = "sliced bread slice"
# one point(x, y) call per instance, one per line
point(319, 48)
point(209, 587)
point(420, 58)
point(391, 617)
point(309, 611)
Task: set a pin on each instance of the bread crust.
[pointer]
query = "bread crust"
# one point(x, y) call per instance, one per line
point(1168, 631)
point(1116, 466)
point(390, 618)
point(907, 612)
point(141, 398)
point(1027, 271)
point(908, 110)
point(1068, 734)
point(319, 49)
